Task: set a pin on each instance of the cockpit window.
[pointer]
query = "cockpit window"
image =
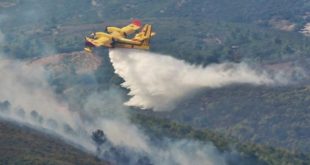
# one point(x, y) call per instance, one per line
point(92, 35)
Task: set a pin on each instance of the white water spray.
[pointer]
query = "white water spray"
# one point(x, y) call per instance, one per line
point(158, 81)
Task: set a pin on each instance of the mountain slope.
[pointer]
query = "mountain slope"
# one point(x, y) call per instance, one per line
point(244, 153)
point(276, 116)
point(23, 145)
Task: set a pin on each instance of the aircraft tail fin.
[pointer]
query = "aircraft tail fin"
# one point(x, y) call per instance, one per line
point(136, 22)
point(145, 35)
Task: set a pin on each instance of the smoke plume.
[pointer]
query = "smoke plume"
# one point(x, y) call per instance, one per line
point(158, 81)
point(32, 101)
point(27, 97)
point(107, 112)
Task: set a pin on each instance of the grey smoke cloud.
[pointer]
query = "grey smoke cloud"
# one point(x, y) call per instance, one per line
point(28, 92)
point(157, 81)
point(26, 87)
point(186, 152)
point(112, 118)
point(110, 115)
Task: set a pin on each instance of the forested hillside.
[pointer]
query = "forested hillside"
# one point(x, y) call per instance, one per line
point(250, 153)
point(23, 145)
point(199, 32)
point(265, 33)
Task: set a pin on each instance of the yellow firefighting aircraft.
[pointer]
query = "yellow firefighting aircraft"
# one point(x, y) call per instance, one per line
point(115, 37)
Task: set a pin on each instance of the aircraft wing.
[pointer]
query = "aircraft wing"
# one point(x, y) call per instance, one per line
point(128, 41)
point(131, 28)
point(102, 41)
point(96, 40)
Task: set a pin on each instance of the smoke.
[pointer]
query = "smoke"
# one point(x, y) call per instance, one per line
point(188, 152)
point(108, 113)
point(130, 145)
point(159, 82)
point(27, 97)
point(24, 86)
point(32, 101)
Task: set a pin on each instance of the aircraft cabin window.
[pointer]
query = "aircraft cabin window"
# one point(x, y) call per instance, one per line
point(91, 35)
